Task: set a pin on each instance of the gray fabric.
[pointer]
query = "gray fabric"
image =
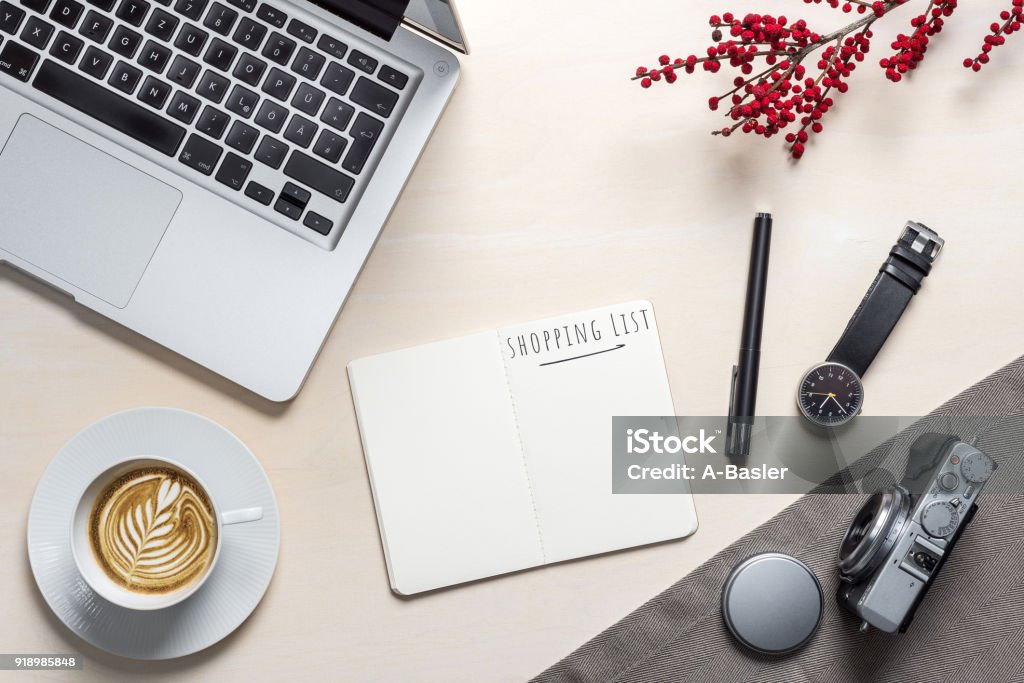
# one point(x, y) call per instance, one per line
point(969, 628)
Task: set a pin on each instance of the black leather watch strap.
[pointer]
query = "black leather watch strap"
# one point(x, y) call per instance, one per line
point(898, 280)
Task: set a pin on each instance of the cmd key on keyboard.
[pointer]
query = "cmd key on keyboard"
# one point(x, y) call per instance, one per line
point(17, 60)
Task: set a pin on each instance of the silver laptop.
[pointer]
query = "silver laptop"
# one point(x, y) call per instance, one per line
point(214, 173)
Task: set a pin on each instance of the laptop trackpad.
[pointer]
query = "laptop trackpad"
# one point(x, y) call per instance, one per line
point(78, 213)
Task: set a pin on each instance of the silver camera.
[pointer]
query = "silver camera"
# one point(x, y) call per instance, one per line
point(900, 539)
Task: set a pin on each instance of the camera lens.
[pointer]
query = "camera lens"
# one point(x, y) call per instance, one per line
point(869, 538)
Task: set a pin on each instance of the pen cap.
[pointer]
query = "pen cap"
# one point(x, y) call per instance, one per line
point(757, 282)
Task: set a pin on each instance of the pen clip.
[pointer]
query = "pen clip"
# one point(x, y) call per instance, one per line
point(732, 395)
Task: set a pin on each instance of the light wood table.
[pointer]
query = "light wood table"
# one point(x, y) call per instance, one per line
point(554, 184)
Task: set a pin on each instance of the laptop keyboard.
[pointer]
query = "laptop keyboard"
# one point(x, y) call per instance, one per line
point(260, 107)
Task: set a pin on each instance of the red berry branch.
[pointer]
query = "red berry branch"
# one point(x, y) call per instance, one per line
point(788, 74)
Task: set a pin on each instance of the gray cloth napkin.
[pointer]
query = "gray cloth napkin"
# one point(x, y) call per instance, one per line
point(969, 628)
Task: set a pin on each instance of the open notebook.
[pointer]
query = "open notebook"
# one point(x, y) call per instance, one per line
point(492, 453)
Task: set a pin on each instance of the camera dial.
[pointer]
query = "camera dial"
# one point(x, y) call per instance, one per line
point(977, 468)
point(939, 519)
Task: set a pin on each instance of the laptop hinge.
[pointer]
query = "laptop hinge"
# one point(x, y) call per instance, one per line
point(379, 17)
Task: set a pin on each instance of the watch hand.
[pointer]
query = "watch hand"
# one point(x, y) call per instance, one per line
point(833, 397)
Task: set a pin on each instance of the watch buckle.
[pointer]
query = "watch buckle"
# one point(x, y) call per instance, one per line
point(922, 239)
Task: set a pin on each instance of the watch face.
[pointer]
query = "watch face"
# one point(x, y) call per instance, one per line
point(830, 394)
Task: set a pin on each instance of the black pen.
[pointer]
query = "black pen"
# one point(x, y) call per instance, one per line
point(743, 395)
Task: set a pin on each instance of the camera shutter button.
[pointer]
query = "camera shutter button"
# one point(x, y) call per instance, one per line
point(949, 481)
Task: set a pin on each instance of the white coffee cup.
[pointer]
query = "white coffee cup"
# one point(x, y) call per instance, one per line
point(90, 568)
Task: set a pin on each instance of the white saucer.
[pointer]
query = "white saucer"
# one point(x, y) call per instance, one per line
point(248, 556)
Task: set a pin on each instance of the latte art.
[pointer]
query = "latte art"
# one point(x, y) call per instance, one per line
point(153, 530)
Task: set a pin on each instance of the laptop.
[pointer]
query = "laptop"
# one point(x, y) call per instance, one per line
point(213, 174)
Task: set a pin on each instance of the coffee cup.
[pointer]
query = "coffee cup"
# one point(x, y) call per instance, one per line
point(147, 533)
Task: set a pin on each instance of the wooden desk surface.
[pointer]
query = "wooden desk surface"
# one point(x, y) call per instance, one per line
point(553, 184)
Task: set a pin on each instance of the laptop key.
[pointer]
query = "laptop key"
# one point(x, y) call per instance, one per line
point(105, 5)
point(39, 6)
point(245, 5)
point(125, 77)
point(220, 19)
point(212, 122)
point(264, 195)
point(337, 79)
point(220, 55)
point(184, 107)
point(365, 133)
point(66, 48)
point(271, 152)
point(37, 33)
point(96, 63)
point(161, 25)
point(191, 39)
point(242, 101)
point(271, 116)
point(67, 13)
point(272, 15)
point(199, 154)
point(329, 146)
point(249, 34)
point(373, 97)
point(154, 56)
point(308, 63)
point(279, 49)
point(317, 222)
point(191, 9)
point(286, 208)
point(154, 92)
point(96, 27)
point(213, 86)
point(133, 11)
point(299, 196)
point(94, 100)
point(303, 32)
point(332, 46)
point(242, 137)
point(183, 71)
point(125, 42)
point(319, 176)
point(393, 77)
point(308, 99)
point(300, 131)
point(337, 114)
point(234, 171)
point(363, 62)
point(279, 84)
point(249, 69)
point(10, 18)
point(17, 60)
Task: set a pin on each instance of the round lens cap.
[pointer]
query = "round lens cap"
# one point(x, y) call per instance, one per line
point(772, 603)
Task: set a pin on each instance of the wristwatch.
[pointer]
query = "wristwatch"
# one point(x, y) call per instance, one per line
point(831, 393)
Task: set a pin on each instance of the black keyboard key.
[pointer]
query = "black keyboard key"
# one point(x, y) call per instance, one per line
point(220, 19)
point(154, 56)
point(337, 114)
point(362, 61)
point(10, 18)
point(242, 137)
point(213, 86)
point(67, 13)
point(308, 63)
point(365, 133)
point(393, 77)
point(319, 176)
point(184, 107)
point(271, 116)
point(300, 131)
point(37, 33)
point(220, 55)
point(264, 195)
point(332, 46)
point(133, 11)
point(376, 98)
point(212, 122)
point(286, 208)
point(308, 99)
point(330, 146)
point(105, 5)
point(96, 63)
point(250, 34)
point(317, 222)
point(39, 6)
point(242, 101)
point(303, 32)
point(125, 42)
point(66, 47)
point(279, 84)
point(190, 9)
point(299, 196)
point(272, 15)
point(183, 71)
point(191, 39)
point(125, 77)
point(94, 100)
point(279, 49)
point(96, 27)
point(271, 152)
point(244, 5)
point(337, 78)
point(234, 171)
point(154, 92)
point(199, 154)
point(161, 25)
point(249, 70)
point(17, 60)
